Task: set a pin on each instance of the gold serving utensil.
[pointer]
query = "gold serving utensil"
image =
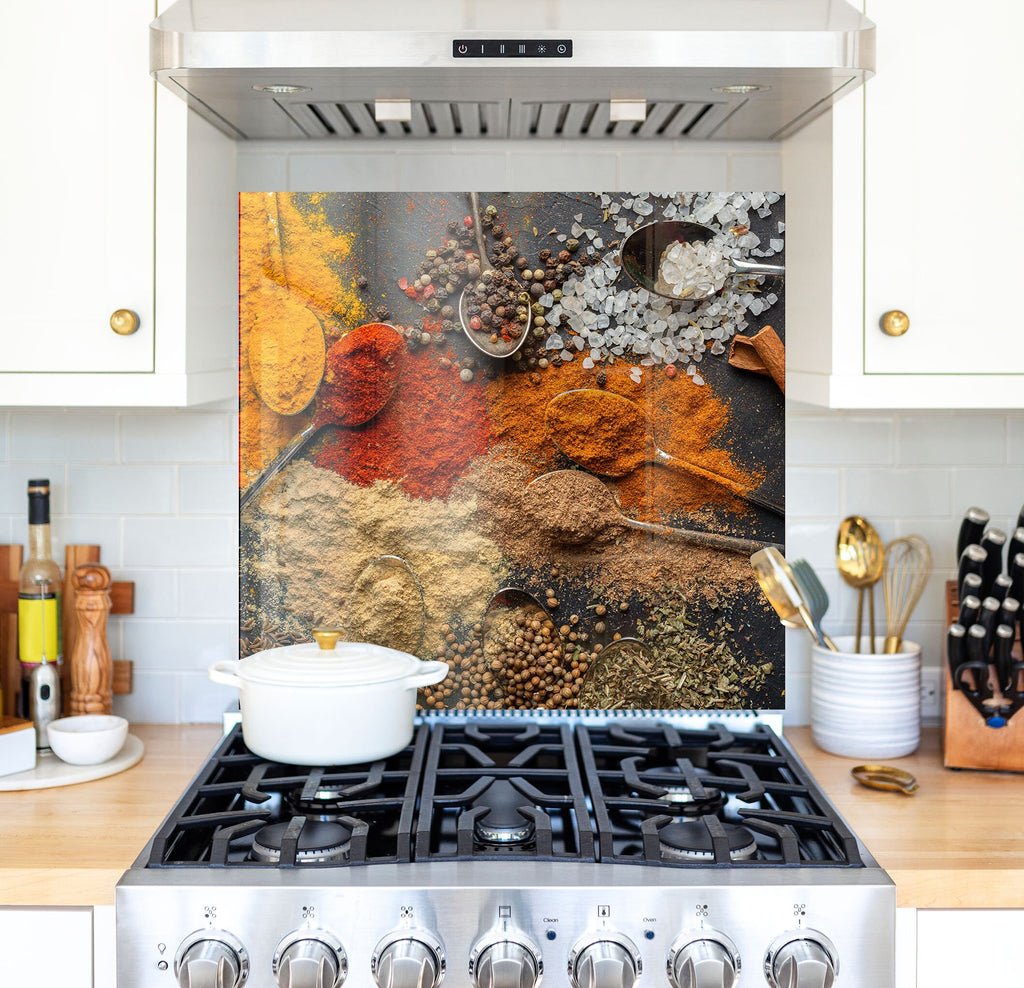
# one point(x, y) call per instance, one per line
point(886, 778)
point(860, 558)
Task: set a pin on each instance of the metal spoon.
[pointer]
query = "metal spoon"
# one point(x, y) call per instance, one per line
point(631, 459)
point(860, 558)
point(481, 340)
point(783, 593)
point(303, 439)
point(600, 663)
point(642, 250)
point(611, 514)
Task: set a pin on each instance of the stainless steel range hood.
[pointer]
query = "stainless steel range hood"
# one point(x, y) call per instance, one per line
point(406, 69)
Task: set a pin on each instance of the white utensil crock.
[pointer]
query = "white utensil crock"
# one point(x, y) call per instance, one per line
point(304, 705)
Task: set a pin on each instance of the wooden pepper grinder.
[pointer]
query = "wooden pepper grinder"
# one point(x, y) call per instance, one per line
point(92, 669)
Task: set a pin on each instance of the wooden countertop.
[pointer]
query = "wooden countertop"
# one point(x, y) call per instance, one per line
point(958, 843)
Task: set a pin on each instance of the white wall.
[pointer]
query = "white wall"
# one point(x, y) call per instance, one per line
point(158, 490)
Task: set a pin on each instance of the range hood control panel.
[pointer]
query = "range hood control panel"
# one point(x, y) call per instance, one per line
point(514, 48)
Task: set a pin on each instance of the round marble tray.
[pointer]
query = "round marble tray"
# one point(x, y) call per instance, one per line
point(50, 771)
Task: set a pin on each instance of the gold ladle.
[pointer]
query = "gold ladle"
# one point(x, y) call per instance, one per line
point(860, 558)
point(783, 592)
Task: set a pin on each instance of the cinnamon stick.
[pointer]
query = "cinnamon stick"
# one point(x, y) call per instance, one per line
point(770, 355)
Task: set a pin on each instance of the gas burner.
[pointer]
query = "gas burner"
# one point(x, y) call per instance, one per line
point(319, 843)
point(691, 841)
point(327, 803)
point(681, 800)
point(502, 823)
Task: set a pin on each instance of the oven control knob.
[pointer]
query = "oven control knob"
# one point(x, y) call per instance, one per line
point(510, 963)
point(604, 961)
point(310, 959)
point(709, 960)
point(801, 959)
point(211, 959)
point(408, 959)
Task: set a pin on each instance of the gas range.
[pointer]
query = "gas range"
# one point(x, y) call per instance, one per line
point(495, 851)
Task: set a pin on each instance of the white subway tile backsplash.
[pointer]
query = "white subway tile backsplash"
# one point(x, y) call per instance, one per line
point(1015, 439)
point(897, 491)
point(202, 700)
point(14, 478)
point(262, 171)
point(812, 540)
point(683, 172)
point(156, 592)
point(209, 490)
point(121, 490)
point(435, 171)
point(999, 490)
point(345, 172)
point(848, 441)
point(941, 440)
point(208, 593)
point(85, 437)
point(180, 542)
point(565, 171)
point(104, 531)
point(749, 172)
point(812, 492)
point(156, 645)
point(179, 437)
point(155, 698)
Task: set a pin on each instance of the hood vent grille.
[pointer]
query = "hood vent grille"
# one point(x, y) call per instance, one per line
point(574, 119)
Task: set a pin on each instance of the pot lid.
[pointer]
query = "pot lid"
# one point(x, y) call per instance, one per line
point(341, 664)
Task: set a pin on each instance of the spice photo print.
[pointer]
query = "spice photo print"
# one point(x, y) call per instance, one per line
point(478, 428)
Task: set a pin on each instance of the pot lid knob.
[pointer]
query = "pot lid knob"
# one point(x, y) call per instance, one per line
point(327, 638)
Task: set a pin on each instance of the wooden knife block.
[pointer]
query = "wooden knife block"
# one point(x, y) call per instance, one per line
point(967, 741)
point(122, 596)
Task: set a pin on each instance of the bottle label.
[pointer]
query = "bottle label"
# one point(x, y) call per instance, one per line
point(37, 629)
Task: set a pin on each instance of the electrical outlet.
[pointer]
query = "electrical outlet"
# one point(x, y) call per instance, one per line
point(931, 694)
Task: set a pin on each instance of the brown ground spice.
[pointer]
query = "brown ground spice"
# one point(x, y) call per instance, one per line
point(685, 419)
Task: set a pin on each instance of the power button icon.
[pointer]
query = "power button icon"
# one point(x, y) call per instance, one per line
point(463, 49)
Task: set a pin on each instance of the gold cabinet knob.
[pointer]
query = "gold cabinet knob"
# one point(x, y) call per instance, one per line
point(327, 638)
point(895, 323)
point(124, 322)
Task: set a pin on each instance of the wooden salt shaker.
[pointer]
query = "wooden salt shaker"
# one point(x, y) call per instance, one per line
point(92, 669)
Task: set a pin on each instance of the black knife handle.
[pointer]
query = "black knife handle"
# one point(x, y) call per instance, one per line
point(1020, 518)
point(977, 645)
point(1016, 544)
point(992, 542)
point(988, 619)
point(1003, 662)
point(1009, 612)
point(971, 587)
point(1001, 587)
point(972, 560)
point(970, 608)
point(956, 650)
point(973, 524)
point(1016, 571)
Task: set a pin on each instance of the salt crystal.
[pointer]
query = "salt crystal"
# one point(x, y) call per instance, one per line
point(635, 374)
point(576, 230)
point(697, 379)
point(776, 244)
point(588, 363)
point(566, 355)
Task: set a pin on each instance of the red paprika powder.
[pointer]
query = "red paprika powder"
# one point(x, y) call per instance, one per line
point(361, 373)
point(424, 438)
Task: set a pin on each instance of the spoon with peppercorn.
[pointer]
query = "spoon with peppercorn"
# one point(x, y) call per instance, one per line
point(573, 507)
point(361, 374)
point(494, 311)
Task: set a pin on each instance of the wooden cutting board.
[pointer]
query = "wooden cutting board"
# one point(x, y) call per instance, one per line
point(50, 771)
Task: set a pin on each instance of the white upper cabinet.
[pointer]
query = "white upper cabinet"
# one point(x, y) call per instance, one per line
point(903, 200)
point(95, 172)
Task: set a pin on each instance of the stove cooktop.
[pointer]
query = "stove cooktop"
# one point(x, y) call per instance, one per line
point(637, 792)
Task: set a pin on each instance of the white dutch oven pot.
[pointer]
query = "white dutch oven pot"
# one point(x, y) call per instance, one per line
point(327, 703)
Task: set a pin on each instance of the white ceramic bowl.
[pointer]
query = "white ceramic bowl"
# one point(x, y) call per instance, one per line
point(88, 739)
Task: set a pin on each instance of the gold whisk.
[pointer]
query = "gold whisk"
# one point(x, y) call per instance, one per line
point(908, 562)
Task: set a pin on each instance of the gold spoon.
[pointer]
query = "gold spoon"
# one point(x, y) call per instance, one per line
point(860, 558)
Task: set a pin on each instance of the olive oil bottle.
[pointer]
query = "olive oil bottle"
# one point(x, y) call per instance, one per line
point(39, 593)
